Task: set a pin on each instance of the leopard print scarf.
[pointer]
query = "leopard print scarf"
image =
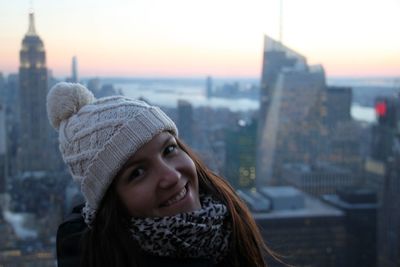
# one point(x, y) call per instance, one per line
point(203, 233)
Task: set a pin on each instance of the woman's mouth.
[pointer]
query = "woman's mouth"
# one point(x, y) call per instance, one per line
point(179, 196)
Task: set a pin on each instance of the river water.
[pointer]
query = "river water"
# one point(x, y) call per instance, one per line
point(167, 93)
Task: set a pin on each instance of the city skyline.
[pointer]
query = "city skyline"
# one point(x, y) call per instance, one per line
point(188, 39)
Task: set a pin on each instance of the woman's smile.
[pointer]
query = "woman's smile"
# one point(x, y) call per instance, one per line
point(175, 198)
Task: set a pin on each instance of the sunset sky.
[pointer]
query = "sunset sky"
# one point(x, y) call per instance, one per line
point(185, 38)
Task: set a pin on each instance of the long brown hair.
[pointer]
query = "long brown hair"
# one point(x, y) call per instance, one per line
point(248, 247)
point(108, 243)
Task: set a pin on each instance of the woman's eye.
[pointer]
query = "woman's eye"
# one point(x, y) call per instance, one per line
point(136, 173)
point(169, 149)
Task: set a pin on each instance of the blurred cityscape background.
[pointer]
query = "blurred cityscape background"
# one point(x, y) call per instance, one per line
point(316, 157)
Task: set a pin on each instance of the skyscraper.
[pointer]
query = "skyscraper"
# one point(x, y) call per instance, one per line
point(2, 138)
point(291, 108)
point(388, 214)
point(209, 87)
point(303, 230)
point(34, 126)
point(339, 104)
point(240, 158)
point(2, 88)
point(319, 178)
point(185, 121)
point(276, 57)
point(74, 69)
point(12, 119)
point(387, 133)
point(344, 133)
point(359, 206)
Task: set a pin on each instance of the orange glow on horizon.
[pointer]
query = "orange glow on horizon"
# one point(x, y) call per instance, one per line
point(196, 38)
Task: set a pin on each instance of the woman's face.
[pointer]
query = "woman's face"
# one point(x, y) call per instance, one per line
point(160, 179)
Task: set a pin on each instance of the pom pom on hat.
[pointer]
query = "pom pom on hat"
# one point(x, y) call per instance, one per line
point(66, 99)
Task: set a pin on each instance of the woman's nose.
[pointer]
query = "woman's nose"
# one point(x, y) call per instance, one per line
point(168, 175)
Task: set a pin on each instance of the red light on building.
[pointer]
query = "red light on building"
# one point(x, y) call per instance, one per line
point(381, 108)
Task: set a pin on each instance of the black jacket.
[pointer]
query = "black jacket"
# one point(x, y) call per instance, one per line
point(69, 237)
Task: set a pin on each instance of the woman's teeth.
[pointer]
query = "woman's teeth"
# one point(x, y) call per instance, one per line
point(176, 198)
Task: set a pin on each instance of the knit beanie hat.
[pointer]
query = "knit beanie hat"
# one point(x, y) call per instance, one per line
point(98, 136)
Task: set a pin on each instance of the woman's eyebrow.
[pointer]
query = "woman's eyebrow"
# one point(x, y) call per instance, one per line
point(131, 162)
point(134, 161)
point(169, 139)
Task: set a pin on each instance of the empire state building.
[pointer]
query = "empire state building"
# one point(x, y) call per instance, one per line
point(34, 126)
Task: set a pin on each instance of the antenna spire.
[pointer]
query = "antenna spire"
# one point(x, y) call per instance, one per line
point(31, 29)
point(31, 6)
point(281, 21)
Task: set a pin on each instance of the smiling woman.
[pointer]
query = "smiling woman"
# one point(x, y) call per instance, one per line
point(149, 200)
point(159, 180)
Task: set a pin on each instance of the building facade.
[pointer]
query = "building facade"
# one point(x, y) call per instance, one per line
point(302, 121)
point(388, 128)
point(34, 126)
point(185, 121)
point(303, 230)
point(3, 146)
point(320, 178)
point(240, 159)
point(292, 108)
point(360, 208)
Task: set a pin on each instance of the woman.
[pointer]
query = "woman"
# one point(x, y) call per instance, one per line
point(149, 200)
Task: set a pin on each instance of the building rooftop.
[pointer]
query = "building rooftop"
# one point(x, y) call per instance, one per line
point(280, 191)
point(271, 45)
point(289, 202)
point(338, 202)
point(316, 167)
point(255, 200)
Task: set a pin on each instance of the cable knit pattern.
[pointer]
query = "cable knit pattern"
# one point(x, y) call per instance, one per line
point(98, 136)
